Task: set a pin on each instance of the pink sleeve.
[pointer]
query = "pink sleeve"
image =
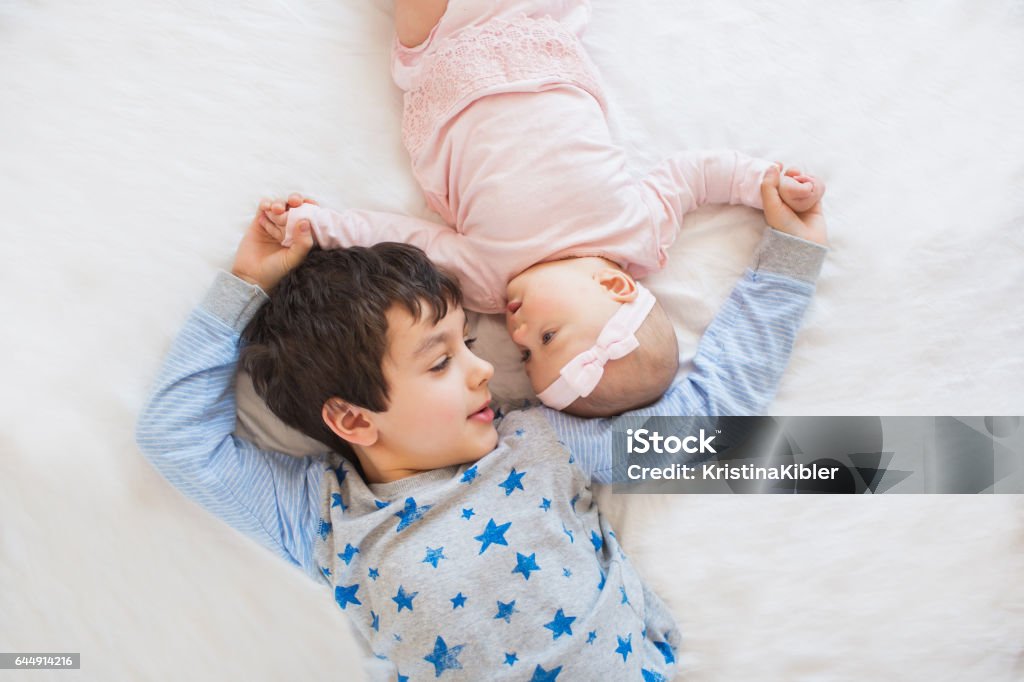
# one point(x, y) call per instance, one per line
point(689, 180)
point(442, 244)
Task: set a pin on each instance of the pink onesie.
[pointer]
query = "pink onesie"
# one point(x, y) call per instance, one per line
point(504, 119)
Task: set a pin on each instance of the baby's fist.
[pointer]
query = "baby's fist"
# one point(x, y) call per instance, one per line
point(800, 192)
point(274, 216)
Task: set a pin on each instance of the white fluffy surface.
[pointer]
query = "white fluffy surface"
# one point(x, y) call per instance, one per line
point(136, 137)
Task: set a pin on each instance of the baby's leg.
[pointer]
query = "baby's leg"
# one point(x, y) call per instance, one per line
point(415, 19)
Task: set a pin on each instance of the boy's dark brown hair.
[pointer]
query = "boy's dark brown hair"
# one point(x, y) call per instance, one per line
point(324, 331)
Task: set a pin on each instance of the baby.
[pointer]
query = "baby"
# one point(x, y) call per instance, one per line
point(505, 122)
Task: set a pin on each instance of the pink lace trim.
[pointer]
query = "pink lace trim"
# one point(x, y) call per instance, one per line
point(482, 57)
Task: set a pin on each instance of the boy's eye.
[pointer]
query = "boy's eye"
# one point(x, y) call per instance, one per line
point(441, 366)
point(469, 342)
point(546, 338)
point(525, 357)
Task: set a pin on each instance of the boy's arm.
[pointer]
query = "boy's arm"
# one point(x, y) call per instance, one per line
point(186, 427)
point(740, 358)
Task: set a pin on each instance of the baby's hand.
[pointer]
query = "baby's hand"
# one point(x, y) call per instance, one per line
point(274, 215)
point(798, 191)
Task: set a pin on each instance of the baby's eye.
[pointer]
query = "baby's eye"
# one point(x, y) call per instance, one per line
point(525, 357)
point(441, 366)
point(469, 342)
point(546, 338)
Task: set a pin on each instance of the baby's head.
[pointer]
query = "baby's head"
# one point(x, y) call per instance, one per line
point(557, 312)
point(365, 349)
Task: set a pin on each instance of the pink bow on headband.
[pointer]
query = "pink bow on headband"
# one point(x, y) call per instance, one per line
point(581, 375)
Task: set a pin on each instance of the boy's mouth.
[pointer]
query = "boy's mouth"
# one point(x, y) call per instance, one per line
point(484, 415)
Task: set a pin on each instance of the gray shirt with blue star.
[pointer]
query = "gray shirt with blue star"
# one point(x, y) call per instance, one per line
point(500, 570)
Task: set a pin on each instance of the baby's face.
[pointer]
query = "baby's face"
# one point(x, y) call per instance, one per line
point(555, 312)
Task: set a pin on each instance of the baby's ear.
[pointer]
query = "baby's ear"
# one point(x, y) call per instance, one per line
point(621, 286)
point(353, 424)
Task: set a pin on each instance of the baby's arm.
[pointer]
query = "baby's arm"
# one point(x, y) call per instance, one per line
point(340, 229)
point(690, 180)
point(186, 428)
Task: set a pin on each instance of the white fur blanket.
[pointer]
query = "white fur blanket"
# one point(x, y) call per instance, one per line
point(136, 137)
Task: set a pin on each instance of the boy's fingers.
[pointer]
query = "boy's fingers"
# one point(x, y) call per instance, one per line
point(793, 172)
point(294, 199)
point(303, 241)
point(770, 189)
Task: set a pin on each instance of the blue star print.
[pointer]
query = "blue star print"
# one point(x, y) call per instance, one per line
point(511, 658)
point(625, 599)
point(411, 514)
point(525, 564)
point(596, 540)
point(519, 433)
point(566, 572)
point(325, 571)
point(545, 503)
point(374, 573)
point(468, 475)
point(336, 501)
point(513, 482)
point(346, 595)
point(324, 529)
point(651, 676)
point(468, 513)
point(349, 552)
point(591, 636)
point(573, 501)
point(458, 600)
point(625, 646)
point(433, 556)
point(561, 625)
point(403, 678)
point(380, 504)
point(404, 599)
point(600, 585)
point(340, 473)
point(666, 650)
point(493, 535)
point(376, 621)
point(505, 611)
point(444, 658)
point(542, 675)
point(569, 533)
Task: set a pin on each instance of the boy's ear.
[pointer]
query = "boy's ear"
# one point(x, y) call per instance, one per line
point(621, 286)
point(353, 424)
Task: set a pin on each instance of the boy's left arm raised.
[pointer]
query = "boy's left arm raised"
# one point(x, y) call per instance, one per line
point(186, 428)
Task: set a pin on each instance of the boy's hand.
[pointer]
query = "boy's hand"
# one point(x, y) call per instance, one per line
point(808, 224)
point(274, 217)
point(262, 260)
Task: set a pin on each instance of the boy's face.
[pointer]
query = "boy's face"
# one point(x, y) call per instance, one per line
point(438, 412)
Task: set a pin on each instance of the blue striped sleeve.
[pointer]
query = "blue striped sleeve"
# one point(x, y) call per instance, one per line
point(186, 432)
point(739, 361)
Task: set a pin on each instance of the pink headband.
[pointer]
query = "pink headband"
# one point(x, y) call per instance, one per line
point(581, 375)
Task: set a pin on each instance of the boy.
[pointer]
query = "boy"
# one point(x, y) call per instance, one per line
point(460, 550)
